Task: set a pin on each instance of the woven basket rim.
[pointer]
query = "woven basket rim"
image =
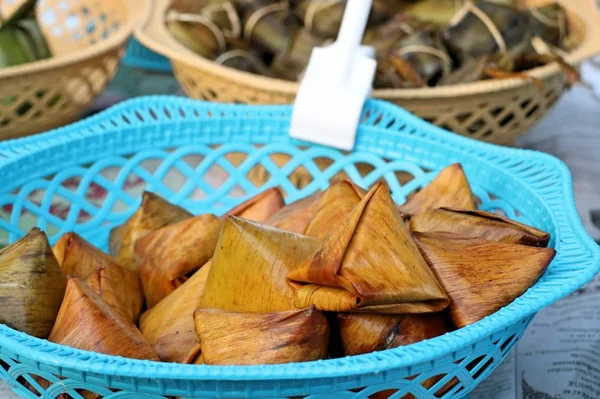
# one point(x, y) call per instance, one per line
point(153, 34)
point(103, 46)
point(560, 200)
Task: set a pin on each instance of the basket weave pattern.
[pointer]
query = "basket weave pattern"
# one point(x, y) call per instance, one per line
point(490, 110)
point(178, 147)
point(87, 40)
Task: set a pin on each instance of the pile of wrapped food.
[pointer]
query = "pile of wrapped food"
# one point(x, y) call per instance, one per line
point(418, 43)
point(21, 39)
point(341, 272)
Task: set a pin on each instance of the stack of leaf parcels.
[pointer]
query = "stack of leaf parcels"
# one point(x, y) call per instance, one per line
point(418, 42)
point(342, 272)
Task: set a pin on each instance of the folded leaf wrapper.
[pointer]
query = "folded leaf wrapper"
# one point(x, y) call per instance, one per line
point(449, 189)
point(369, 263)
point(32, 285)
point(169, 254)
point(333, 207)
point(366, 333)
point(249, 268)
point(478, 224)
point(261, 338)
point(81, 259)
point(296, 216)
point(153, 213)
point(260, 207)
point(481, 276)
point(86, 322)
point(169, 326)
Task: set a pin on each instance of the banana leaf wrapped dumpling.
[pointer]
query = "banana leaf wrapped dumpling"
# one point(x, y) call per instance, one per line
point(268, 338)
point(169, 326)
point(296, 216)
point(481, 276)
point(120, 287)
point(168, 255)
point(249, 267)
point(423, 53)
point(487, 28)
point(86, 322)
point(32, 285)
point(550, 23)
point(478, 224)
point(291, 63)
point(366, 333)
point(154, 213)
point(450, 188)
point(260, 207)
point(369, 263)
point(333, 207)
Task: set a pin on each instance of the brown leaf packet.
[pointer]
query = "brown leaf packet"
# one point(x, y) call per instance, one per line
point(449, 189)
point(168, 255)
point(169, 326)
point(249, 268)
point(478, 224)
point(369, 263)
point(86, 322)
point(366, 333)
point(32, 286)
point(481, 276)
point(81, 259)
point(154, 213)
point(268, 338)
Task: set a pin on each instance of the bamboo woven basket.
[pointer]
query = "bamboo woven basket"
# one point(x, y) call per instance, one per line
point(494, 111)
point(87, 38)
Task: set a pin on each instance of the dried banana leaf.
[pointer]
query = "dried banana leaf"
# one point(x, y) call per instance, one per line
point(449, 189)
point(384, 37)
point(32, 285)
point(86, 322)
point(325, 17)
point(266, 24)
point(487, 28)
point(260, 207)
point(334, 205)
point(196, 32)
point(244, 60)
point(268, 338)
point(549, 22)
point(292, 61)
point(370, 264)
point(425, 51)
point(478, 224)
point(481, 276)
point(154, 213)
point(220, 12)
point(169, 326)
point(366, 333)
point(168, 255)
point(296, 216)
point(102, 284)
point(471, 71)
point(249, 268)
point(439, 12)
point(81, 259)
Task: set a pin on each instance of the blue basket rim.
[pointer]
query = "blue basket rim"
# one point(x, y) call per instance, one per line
point(46, 352)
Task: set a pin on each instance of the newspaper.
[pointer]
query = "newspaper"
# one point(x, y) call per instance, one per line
point(558, 357)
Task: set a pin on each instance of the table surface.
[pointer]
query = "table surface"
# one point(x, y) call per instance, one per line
point(571, 132)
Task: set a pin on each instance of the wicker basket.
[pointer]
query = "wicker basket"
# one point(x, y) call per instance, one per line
point(494, 111)
point(175, 146)
point(87, 38)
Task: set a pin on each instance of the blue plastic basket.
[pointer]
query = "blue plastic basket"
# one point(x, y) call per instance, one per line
point(139, 56)
point(172, 143)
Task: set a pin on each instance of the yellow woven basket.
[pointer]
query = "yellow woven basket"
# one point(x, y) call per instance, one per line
point(87, 39)
point(496, 111)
